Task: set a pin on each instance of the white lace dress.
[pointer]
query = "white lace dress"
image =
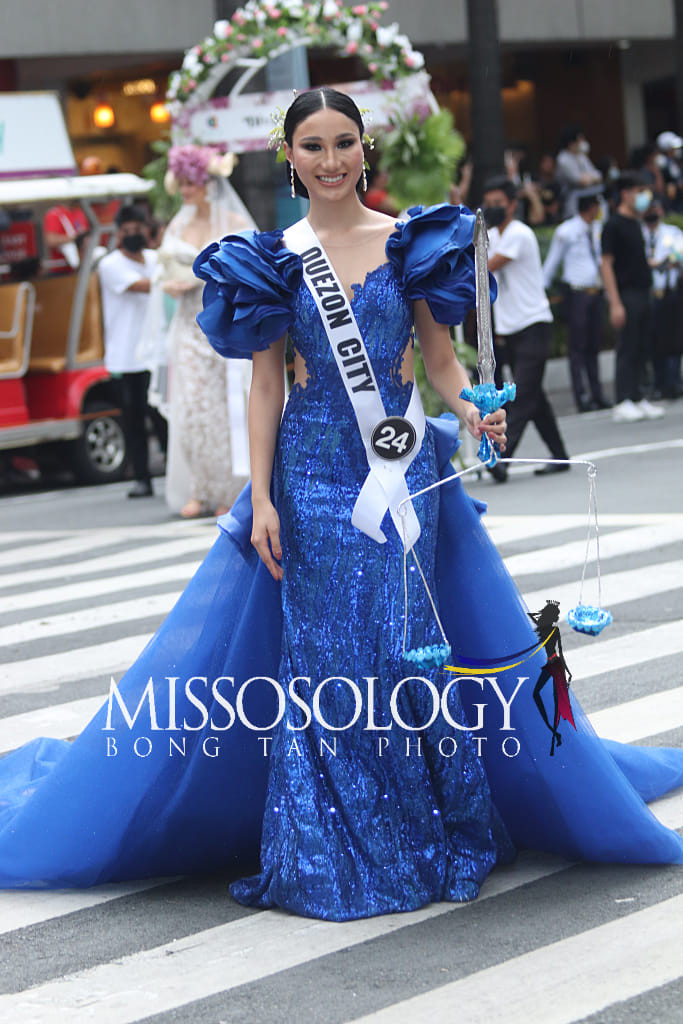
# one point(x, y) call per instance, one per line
point(208, 456)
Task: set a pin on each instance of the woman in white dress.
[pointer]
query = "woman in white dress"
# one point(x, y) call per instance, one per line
point(208, 459)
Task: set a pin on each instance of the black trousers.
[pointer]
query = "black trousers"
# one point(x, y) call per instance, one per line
point(584, 320)
point(527, 352)
point(634, 342)
point(132, 389)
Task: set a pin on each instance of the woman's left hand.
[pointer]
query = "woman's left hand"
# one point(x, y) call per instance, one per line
point(494, 425)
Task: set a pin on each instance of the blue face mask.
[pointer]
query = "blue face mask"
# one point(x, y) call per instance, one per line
point(642, 201)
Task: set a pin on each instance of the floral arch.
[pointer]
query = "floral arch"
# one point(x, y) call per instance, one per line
point(420, 148)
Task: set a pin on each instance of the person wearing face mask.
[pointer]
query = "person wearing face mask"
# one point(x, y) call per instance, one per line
point(522, 320)
point(628, 282)
point(664, 250)
point(574, 168)
point(125, 275)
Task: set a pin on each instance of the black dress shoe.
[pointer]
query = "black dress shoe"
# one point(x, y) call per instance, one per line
point(498, 472)
point(601, 403)
point(552, 467)
point(141, 489)
point(585, 405)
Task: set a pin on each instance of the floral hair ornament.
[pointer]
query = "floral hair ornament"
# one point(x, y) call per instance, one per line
point(196, 164)
point(276, 135)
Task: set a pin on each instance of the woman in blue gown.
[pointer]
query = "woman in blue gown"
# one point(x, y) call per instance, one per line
point(213, 745)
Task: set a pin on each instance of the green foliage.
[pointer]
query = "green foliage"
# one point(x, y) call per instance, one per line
point(420, 155)
point(164, 205)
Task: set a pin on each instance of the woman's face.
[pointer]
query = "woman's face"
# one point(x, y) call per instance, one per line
point(192, 194)
point(327, 154)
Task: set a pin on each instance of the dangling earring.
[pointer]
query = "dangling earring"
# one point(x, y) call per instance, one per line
point(291, 178)
point(365, 180)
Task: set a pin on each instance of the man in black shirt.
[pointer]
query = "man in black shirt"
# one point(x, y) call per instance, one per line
point(628, 282)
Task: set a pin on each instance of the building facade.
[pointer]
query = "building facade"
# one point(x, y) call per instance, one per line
point(609, 65)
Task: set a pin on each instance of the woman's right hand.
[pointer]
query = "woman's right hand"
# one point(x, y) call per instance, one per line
point(265, 536)
point(176, 289)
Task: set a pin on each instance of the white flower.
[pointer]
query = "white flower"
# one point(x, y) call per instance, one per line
point(415, 60)
point(330, 9)
point(386, 35)
point(222, 166)
point(192, 63)
point(220, 29)
point(354, 32)
point(261, 17)
point(402, 42)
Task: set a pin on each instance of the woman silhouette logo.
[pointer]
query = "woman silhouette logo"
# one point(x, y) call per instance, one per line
point(549, 635)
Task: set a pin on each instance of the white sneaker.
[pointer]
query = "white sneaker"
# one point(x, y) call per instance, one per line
point(650, 411)
point(628, 412)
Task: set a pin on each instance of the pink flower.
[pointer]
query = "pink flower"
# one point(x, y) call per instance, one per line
point(238, 17)
point(241, 37)
point(257, 43)
point(359, 9)
point(374, 25)
point(352, 48)
point(191, 85)
point(282, 31)
point(384, 6)
point(372, 67)
point(410, 62)
point(225, 56)
point(273, 12)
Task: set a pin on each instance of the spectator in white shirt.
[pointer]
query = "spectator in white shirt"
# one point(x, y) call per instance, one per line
point(125, 275)
point(522, 320)
point(575, 251)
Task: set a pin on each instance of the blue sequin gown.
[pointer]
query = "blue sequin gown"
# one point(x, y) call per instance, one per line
point(351, 818)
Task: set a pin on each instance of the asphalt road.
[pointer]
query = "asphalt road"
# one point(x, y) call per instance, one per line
point(86, 575)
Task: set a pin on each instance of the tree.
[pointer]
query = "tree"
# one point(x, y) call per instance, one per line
point(678, 71)
point(485, 91)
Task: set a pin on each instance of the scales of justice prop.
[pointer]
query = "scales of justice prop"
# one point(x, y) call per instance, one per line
point(584, 618)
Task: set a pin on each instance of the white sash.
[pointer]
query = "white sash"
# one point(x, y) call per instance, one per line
point(385, 485)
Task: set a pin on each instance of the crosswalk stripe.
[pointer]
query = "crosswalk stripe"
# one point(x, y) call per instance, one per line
point(599, 655)
point(49, 671)
point(622, 542)
point(636, 719)
point(563, 982)
point(617, 587)
point(77, 543)
point(59, 721)
point(8, 538)
point(98, 587)
point(68, 623)
point(19, 909)
point(222, 958)
point(508, 529)
point(106, 563)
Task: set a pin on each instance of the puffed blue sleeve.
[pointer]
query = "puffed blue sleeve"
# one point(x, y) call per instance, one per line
point(433, 259)
point(250, 290)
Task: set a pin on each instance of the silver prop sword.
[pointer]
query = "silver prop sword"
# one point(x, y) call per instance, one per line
point(486, 360)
